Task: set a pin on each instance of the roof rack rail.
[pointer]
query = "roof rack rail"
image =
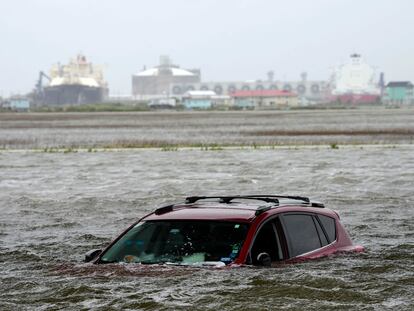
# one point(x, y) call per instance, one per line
point(262, 209)
point(227, 200)
point(317, 204)
point(260, 197)
point(164, 209)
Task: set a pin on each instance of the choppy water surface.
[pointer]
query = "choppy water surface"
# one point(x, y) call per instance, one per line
point(54, 207)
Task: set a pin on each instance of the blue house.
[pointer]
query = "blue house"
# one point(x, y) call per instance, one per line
point(19, 103)
point(399, 93)
point(198, 99)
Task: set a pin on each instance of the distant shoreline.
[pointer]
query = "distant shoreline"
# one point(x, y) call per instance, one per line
point(209, 130)
point(144, 107)
point(209, 148)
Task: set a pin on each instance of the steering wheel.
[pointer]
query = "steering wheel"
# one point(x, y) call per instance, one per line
point(130, 258)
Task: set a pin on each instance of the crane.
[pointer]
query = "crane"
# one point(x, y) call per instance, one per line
point(39, 83)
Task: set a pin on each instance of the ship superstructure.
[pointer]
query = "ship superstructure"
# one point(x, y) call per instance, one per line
point(78, 82)
point(355, 82)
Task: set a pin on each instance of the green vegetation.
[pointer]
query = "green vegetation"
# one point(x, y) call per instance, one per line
point(202, 147)
point(163, 145)
point(169, 148)
point(61, 150)
point(144, 106)
point(213, 147)
point(70, 150)
point(103, 107)
point(50, 150)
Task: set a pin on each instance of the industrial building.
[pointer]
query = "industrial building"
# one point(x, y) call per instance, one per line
point(310, 90)
point(169, 80)
point(158, 81)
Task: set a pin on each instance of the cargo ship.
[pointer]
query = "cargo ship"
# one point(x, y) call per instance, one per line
point(79, 82)
point(355, 82)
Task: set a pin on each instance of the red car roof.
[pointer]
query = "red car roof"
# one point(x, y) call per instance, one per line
point(207, 212)
point(225, 212)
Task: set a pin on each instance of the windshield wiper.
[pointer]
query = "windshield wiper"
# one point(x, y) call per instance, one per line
point(149, 262)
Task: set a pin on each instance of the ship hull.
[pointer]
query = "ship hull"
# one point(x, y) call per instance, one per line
point(73, 95)
point(356, 99)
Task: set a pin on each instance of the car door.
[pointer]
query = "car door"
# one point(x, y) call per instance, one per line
point(303, 233)
point(269, 239)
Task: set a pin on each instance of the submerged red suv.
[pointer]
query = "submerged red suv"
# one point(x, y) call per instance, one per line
point(230, 230)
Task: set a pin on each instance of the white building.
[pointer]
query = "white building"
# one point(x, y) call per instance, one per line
point(157, 81)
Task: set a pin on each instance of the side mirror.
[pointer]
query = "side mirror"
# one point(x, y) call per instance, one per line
point(91, 255)
point(264, 260)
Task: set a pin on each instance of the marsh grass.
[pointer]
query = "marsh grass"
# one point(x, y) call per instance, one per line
point(101, 107)
point(169, 148)
point(50, 150)
point(61, 150)
point(70, 150)
point(207, 131)
point(165, 145)
point(332, 132)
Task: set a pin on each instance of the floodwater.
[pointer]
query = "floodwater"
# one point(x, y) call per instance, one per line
point(56, 206)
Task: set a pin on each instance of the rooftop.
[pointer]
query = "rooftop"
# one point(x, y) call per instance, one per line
point(203, 211)
point(263, 93)
point(199, 94)
point(400, 84)
point(166, 67)
point(174, 71)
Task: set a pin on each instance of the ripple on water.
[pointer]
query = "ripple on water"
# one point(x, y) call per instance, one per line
point(50, 218)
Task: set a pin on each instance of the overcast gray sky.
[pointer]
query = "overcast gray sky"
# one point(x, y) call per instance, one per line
point(227, 39)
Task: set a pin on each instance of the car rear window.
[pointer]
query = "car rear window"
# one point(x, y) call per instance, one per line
point(302, 234)
point(329, 224)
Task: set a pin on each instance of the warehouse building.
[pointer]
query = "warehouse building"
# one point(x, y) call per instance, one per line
point(311, 90)
point(156, 81)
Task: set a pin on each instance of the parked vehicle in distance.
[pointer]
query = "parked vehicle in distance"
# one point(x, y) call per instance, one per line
point(256, 230)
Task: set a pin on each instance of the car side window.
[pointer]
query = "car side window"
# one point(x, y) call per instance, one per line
point(329, 224)
point(267, 241)
point(302, 233)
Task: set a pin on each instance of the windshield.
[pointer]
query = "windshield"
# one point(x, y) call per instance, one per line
point(186, 242)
